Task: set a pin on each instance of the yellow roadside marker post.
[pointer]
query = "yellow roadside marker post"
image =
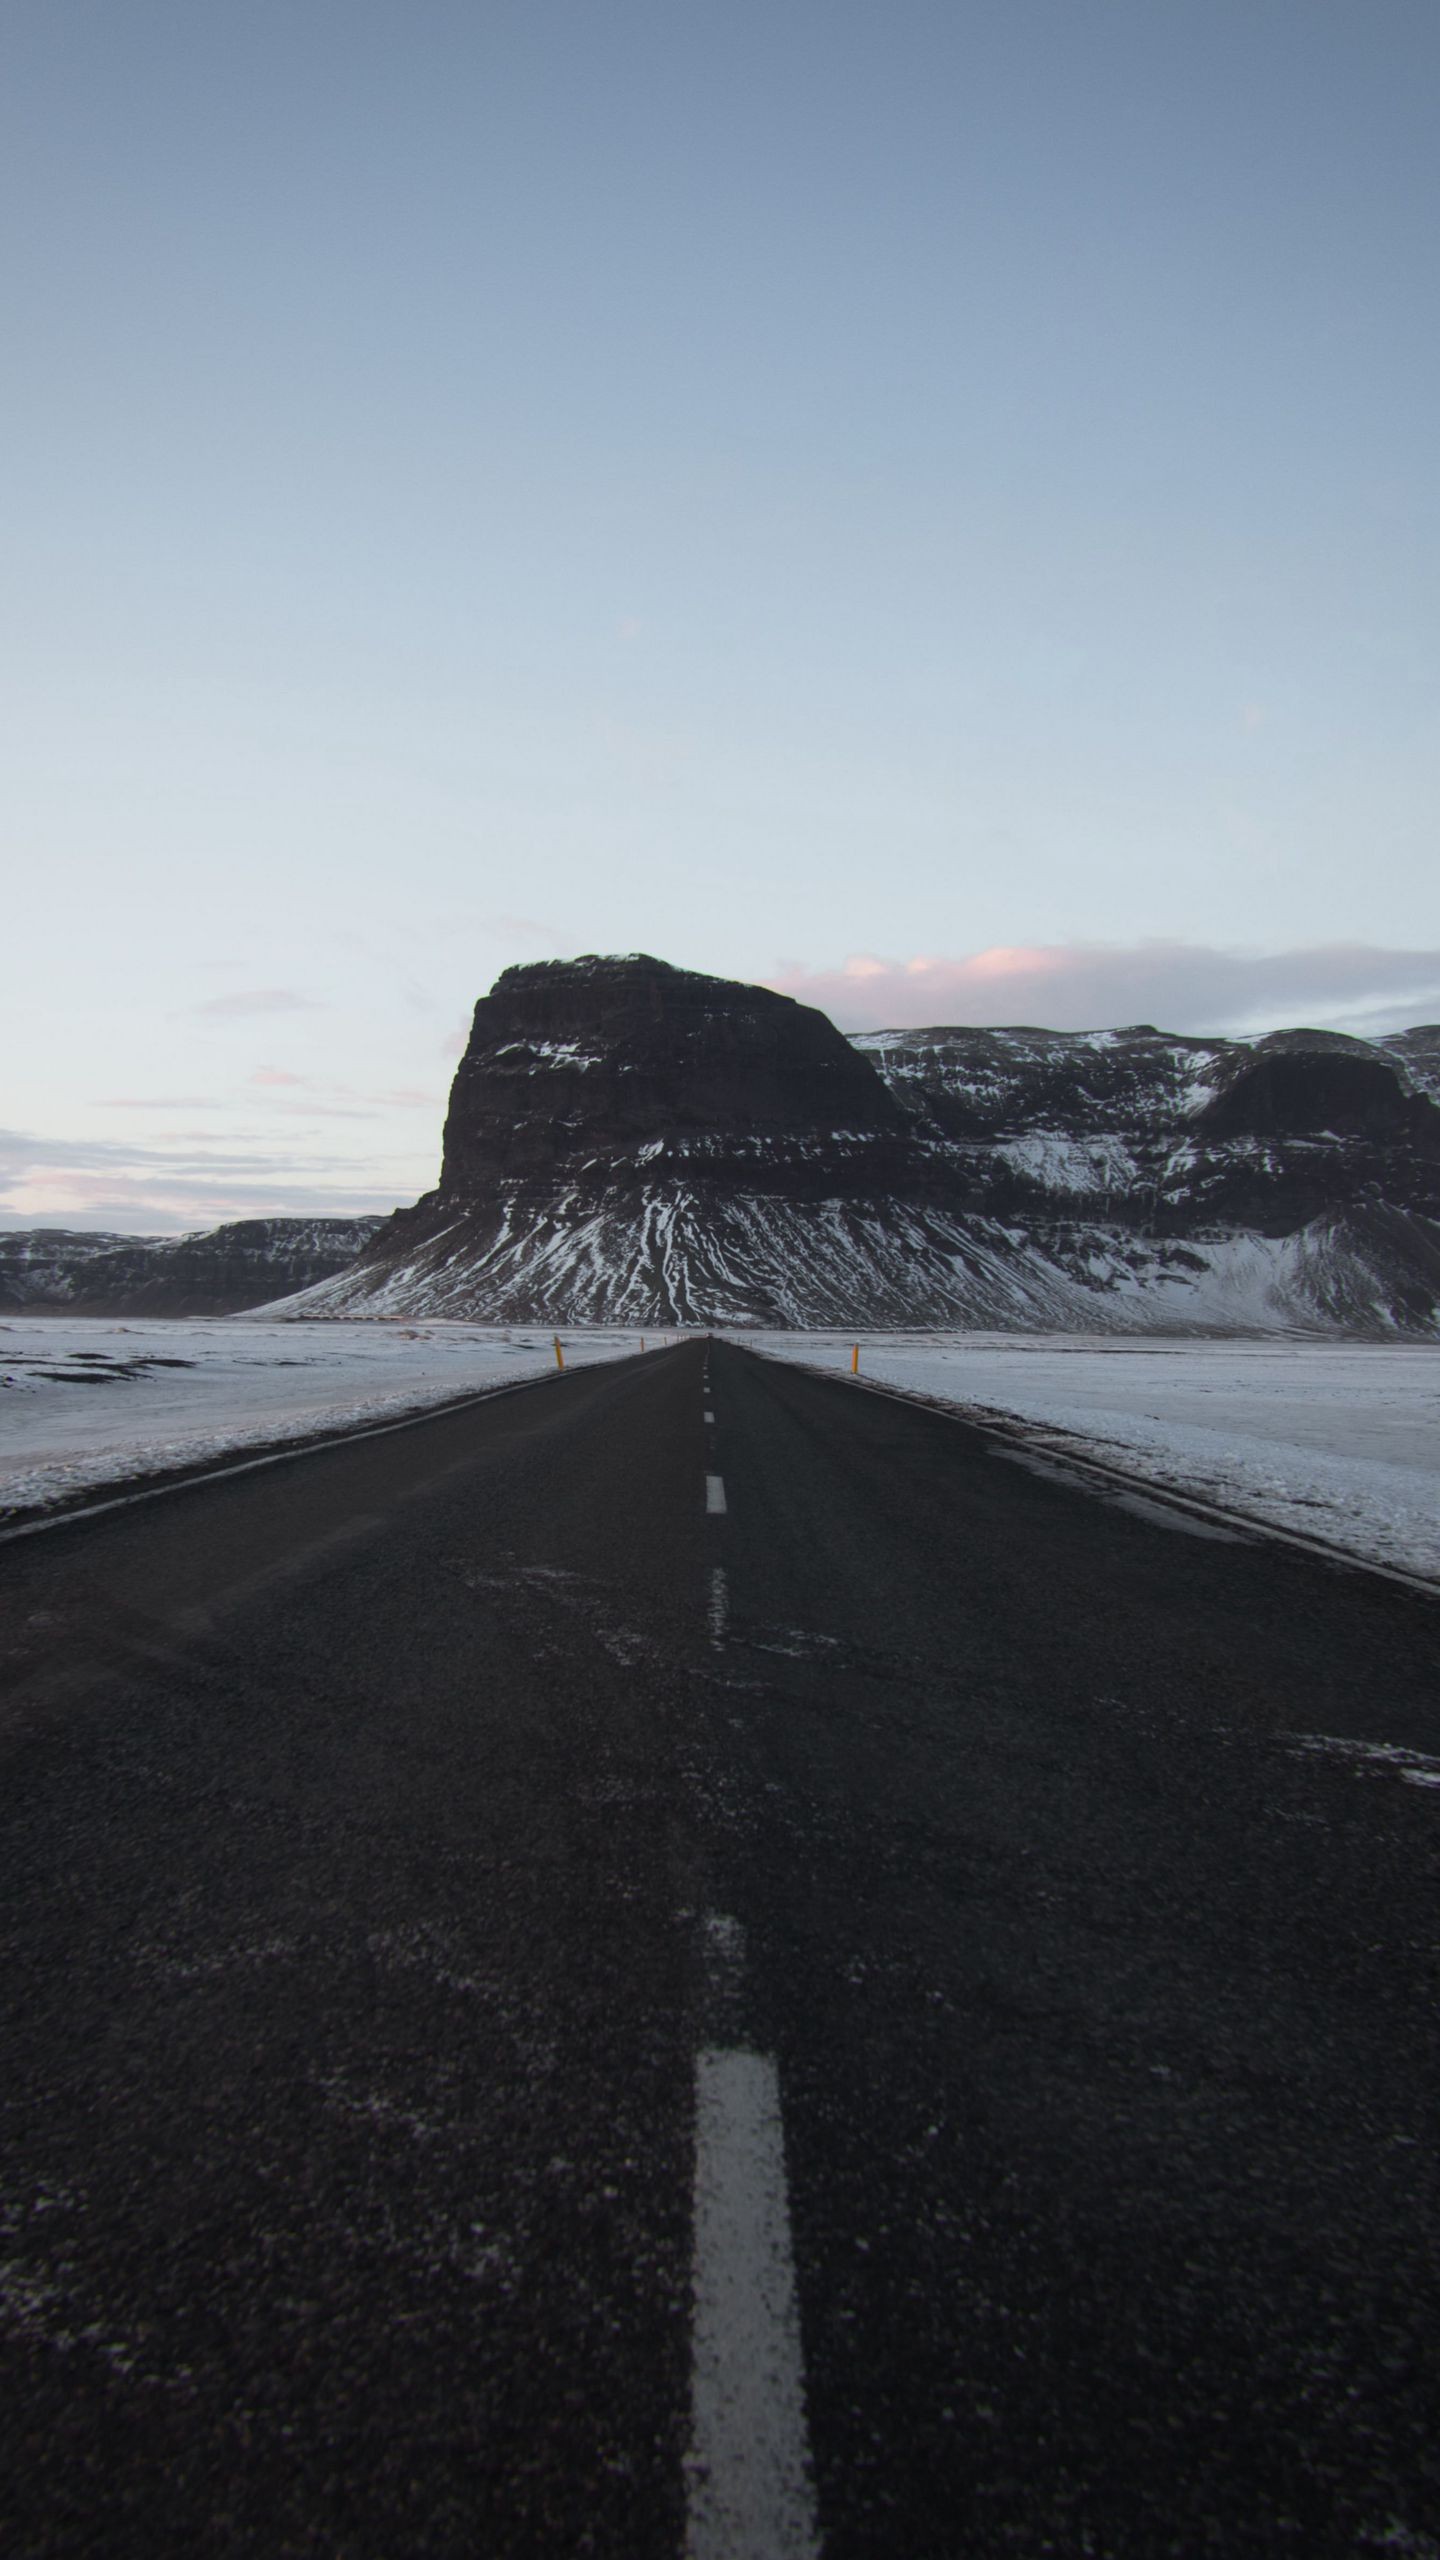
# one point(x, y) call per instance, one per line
point(559, 1354)
point(855, 1361)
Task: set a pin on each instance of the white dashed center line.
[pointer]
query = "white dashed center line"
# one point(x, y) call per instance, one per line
point(709, 1416)
point(715, 1493)
point(724, 1952)
point(719, 1610)
point(750, 2495)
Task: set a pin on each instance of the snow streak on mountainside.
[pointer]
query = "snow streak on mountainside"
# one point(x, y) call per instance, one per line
point(633, 1144)
point(655, 1259)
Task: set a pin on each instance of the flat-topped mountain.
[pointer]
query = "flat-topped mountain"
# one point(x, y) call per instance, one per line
point(583, 1060)
point(632, 1143)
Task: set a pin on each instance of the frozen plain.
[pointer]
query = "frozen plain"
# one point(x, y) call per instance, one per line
point(86, 1404)
point(1334, 1440)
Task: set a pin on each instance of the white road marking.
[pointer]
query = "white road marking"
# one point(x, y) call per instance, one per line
point(749, 2490)
point(725, 1948)
point(709, 1416)
point(715, 1493)
point(719, 1610)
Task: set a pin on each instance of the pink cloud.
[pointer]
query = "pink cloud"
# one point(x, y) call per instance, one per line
point(277, 1075)
point(1072, 986)
point(310, 1110)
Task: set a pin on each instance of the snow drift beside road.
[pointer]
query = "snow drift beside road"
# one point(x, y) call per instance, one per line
point(1336, 1440)
point(86, 1404)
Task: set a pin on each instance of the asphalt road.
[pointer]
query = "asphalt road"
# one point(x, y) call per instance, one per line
point(549, 2015)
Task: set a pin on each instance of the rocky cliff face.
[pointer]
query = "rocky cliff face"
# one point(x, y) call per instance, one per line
point(47, 1269)
point(631, 1143)
point(596, 1062)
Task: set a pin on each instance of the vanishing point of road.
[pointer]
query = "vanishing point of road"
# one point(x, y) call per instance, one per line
point(692, 1960)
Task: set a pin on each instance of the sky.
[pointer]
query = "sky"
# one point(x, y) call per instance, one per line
point(932, 507)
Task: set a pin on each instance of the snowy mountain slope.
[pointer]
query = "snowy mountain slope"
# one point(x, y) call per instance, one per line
point(1417, 1052)
point(1269, 1133)
point(633, 1144)
point(42, 1266)
point(687, 1257)
point(219, 1273)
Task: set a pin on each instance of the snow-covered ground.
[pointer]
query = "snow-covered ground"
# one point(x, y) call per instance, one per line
point(1338, 1440)
point(88, 1403)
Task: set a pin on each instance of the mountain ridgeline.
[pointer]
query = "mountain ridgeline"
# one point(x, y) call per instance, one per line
point(62, 1270)
point(629, 1143)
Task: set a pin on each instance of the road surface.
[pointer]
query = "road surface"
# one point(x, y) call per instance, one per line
point(588, 1978)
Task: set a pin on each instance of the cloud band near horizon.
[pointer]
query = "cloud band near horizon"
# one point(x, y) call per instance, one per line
point(89, 1183)
point(1179, 986)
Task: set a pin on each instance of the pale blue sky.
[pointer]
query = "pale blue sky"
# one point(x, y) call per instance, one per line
point(766, 485)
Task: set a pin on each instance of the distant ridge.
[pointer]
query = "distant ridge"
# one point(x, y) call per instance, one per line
point(45, 1270)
